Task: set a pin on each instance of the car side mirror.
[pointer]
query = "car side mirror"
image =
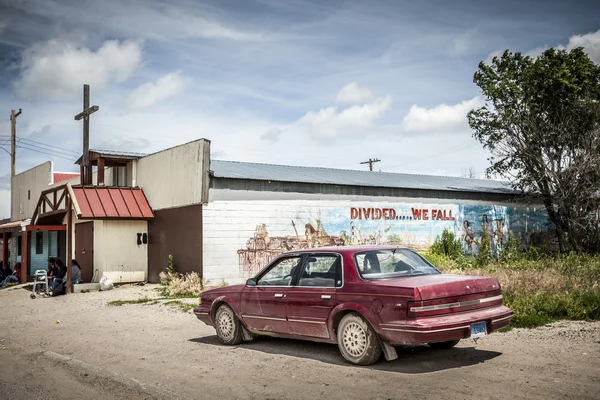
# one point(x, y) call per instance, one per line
point(251, 282)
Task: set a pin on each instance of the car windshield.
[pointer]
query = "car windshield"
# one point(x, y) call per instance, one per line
point(393, 263)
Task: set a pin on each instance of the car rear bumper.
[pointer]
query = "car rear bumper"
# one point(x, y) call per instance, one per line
point(444, 328)
point(203, 315)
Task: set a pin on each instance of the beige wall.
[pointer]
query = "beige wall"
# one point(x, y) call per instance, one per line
point(116, 253)
point(176, 177)
point(26, 188)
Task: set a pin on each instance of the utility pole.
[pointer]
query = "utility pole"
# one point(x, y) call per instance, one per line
point(13, 140)
point(86, 168)
point(371, 162)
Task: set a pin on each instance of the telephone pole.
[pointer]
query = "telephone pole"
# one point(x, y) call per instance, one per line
point(371, 162)
point(13, 140)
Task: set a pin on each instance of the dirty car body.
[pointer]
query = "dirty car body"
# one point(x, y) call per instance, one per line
point(366, 299)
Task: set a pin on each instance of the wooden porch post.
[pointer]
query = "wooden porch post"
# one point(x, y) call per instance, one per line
point(5, 238)
point(24, 256)
point(100, 171)
point(69, 244)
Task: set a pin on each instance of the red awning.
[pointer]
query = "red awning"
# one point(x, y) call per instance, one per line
point(112, 203)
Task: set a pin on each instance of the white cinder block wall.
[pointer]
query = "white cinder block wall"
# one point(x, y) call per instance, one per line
point(244, 230)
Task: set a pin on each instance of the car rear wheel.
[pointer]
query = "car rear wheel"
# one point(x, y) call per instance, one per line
point(228, 326)
point(444, 345)
point(358, 342)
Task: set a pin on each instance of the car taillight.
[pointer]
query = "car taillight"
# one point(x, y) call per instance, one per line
point(452, 304)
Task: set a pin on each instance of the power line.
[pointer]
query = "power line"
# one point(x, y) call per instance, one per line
point(49, 145)
point(60, 152)
point(443, 153)
point(43, 152)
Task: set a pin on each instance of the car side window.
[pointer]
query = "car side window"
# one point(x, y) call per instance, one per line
point(281, 273)
point(322, 271)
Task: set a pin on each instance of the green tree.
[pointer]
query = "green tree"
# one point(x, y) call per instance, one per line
point(541, 123)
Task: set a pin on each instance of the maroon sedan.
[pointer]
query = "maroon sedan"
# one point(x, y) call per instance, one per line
point(365, 299)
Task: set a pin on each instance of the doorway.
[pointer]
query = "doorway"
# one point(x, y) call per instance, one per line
point(84, 249)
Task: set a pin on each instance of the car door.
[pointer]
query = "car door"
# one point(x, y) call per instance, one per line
point(264, 305)
point(312, 299)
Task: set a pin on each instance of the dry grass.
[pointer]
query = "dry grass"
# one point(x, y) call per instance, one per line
point(184, 285)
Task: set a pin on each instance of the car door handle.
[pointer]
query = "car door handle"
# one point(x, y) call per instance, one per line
point(278, 295)
point(325, 296)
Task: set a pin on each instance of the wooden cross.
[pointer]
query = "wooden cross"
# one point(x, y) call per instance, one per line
point(86, 168)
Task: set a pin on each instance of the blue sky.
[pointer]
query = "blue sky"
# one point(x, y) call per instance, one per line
point(320, 83)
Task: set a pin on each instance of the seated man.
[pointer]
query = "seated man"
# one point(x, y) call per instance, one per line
point(59, 274)
point(5, 271)
point(14, 278)
point(75, 272)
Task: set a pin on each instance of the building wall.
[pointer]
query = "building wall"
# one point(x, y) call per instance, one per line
point(243, 230)
point(176, 177)
point(116, 252)
point(176, 232)
point(26, 188)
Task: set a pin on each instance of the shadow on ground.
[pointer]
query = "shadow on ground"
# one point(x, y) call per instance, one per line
point(411, 360)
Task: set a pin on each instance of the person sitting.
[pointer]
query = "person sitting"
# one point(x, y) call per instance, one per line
point(60, 278)
point(59, 274)
point(5, 271)
point(75, 272)
point(51, 268)
point(14, 278)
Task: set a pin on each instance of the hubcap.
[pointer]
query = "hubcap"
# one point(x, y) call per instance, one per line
point(225, 324)
point(355, 339)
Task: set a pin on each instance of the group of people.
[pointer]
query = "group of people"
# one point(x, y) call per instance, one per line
point(57, 275)
point(9, 276)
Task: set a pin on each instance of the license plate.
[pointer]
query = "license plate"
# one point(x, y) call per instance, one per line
point(478, 329)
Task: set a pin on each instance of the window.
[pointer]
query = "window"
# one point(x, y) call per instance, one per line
point(397, 263)
point(19, 238)
point(281, 273)
point(322, 271)
point(39, 243)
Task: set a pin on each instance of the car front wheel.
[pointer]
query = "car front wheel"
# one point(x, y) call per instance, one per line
point(228, 326)
point(444, 345)
point(357, 340)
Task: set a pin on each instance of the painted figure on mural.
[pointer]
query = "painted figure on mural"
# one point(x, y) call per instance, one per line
point(501, 232)
point(469, 235)
point(261, 232)
point(355, 236)
point(311, 236)
point(487, 226)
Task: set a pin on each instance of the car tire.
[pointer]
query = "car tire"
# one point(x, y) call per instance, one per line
point(444, 345)
point(228, 326)
point(357, 340)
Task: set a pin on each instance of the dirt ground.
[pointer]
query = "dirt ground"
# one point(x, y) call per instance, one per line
point(172, 352)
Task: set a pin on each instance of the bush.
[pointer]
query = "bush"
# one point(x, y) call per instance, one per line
point(447, 245)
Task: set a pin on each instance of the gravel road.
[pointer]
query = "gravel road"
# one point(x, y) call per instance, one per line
point(174, 353)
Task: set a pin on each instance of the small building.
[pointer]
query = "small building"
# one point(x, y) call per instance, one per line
point(225, 219)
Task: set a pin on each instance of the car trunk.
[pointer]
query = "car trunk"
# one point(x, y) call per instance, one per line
point(446, 294)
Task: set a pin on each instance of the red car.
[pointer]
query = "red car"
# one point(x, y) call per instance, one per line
point(365, 299)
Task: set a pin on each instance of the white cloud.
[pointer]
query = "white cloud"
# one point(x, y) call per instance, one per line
point(58, 69)
point(590, 42)
point(441, 118)
point(353, 93)
point(150, 93)
point(331, 122)
point(272, 135)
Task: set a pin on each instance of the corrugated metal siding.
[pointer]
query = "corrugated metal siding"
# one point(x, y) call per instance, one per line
point(116, 252)
point(175, 177)
point(331, 176)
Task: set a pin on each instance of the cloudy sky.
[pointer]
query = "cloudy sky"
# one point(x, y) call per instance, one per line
point(302, 82)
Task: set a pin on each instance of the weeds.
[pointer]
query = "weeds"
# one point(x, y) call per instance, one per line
point(119, 303)
point(185, 307)
point(539, 286)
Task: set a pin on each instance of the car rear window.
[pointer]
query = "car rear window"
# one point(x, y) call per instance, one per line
point(393, 263)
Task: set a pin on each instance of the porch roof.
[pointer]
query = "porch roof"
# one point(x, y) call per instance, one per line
point(16, 226)
point(112, 203)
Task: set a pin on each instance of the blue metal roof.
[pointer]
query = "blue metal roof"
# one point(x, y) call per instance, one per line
point(332, 176)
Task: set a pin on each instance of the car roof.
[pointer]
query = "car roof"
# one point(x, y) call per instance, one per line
point(345, 249)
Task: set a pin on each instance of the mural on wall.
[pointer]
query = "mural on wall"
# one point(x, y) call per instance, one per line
point(412, 225)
